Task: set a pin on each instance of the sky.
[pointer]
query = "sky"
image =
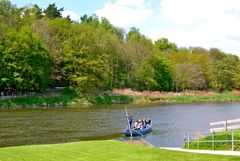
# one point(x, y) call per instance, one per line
point(188, 23)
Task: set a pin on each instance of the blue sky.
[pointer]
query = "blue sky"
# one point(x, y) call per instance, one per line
point(79, 7)
point(205, 23)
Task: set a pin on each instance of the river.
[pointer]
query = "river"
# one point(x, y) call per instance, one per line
point(170, 123)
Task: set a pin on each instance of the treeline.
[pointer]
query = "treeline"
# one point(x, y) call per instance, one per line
point(41, 49)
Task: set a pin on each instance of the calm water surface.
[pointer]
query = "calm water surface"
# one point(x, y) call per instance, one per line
point(170, 123)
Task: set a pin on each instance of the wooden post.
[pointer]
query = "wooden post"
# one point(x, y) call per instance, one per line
point(225, 124)
point(232, 140)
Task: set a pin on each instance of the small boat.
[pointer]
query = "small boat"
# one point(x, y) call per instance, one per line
point(139, 132)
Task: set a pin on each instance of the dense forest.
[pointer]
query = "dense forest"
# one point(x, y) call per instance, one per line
point(40, 49)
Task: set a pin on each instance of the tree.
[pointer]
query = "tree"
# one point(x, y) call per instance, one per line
point(53, 12)
point(6, 8)
point(38, 12)
point(86, 19)
point(90, 20)
point(115, 31)
point(137, 48)
point(222, 73)
point(179, 57)
point(85, 62)
point(26, 61)
point(187, 76)
point(9, 14)
point(164, 45)
point(202, 58)
point(30, 14)
point(54, 33)
point(216, 54)
point(156, 74)
point(236, 76)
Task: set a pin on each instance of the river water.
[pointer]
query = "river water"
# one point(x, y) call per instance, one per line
point(170, 123)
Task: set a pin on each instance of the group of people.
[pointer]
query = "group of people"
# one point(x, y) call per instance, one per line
point(139, 124)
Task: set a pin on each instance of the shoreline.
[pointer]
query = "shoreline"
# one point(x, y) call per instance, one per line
point(70, 99)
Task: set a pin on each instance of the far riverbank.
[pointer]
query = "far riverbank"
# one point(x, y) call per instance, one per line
point(67, 98)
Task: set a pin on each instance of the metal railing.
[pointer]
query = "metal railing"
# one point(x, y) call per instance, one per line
point(198, 138)
point(10, 95)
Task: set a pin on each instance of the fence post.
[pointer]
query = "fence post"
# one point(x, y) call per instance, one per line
point(233, 140)
point(226, 125)
point(188, 139)
point(198, 144)
point(213, 140)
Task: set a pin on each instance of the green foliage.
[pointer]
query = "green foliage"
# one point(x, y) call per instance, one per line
point(40, 49)
point(65, 98)
point(236, 77)
point(53, 12)
point(85, 61)
point(156, 74)
point(6, 8)
point(164, 45)
point(138, 47)
point(222, 73)
point(26, 61)
point(187, 76)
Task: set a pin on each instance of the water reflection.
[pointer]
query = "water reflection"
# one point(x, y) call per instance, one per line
point(170, 123)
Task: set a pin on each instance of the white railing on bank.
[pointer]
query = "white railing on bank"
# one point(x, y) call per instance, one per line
point(223, 126)
point(8, 95)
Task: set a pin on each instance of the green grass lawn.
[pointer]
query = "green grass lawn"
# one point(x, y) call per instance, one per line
point(101, 151)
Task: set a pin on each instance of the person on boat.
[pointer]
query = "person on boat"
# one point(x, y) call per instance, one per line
point(139, 125)
point(148, 122)
point(136, 124)
point(130, 119)
point(144, 123)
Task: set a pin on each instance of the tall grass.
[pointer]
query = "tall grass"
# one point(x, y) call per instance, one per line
point(217, 97)
point(69, 97)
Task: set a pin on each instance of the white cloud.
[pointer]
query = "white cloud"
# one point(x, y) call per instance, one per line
point(205, 23)
point(125, 13)
point(72, 15)
point(192, 11)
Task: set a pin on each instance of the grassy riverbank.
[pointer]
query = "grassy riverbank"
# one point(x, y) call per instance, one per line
point(60, 98)
point(67, 97)
point(217, 145)
point(182, 97)
point(63, 98)
point(101, 151)
point(216, 97)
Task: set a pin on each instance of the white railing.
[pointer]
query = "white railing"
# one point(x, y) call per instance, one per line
point(223, 126)
point(4, 96)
